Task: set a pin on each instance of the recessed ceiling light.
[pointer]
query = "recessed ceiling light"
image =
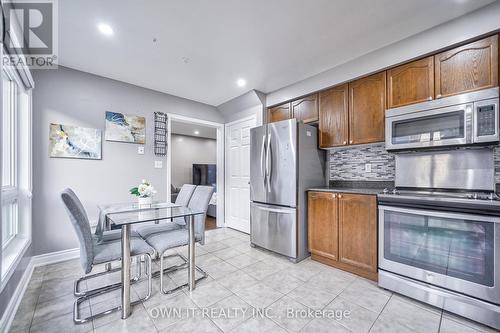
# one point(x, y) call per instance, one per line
point(241, 82)
point(105, 29)
point(196, 132)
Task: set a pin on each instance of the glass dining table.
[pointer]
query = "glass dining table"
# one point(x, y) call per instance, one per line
point(124, 216)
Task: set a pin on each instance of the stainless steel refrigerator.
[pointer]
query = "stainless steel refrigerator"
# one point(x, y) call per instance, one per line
point(284, 162)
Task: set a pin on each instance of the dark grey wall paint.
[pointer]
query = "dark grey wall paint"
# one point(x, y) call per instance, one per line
point(72, 97)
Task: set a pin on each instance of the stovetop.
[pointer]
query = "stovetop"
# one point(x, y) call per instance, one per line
point(464, 195)
point(473, 202)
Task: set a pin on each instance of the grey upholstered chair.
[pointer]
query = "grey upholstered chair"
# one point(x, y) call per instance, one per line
point(93, 253)
point(164, 240)
point(183, 198)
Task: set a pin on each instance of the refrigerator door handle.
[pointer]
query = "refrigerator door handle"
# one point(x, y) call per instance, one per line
point(275, 210)
point(268, 162)
point(262, 161)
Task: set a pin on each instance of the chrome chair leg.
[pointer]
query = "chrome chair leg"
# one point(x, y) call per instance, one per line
point(79, 293)
point(80, 300)
point(173, 269)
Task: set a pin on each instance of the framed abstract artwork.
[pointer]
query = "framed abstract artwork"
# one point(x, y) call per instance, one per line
point(125, 128)
point(74, 142)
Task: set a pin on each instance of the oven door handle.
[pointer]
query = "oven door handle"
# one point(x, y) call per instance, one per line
point(440, 214)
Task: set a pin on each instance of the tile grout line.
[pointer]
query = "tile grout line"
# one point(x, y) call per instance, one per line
point(381, 311)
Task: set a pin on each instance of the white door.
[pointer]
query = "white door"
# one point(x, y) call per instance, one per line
point(238, 174)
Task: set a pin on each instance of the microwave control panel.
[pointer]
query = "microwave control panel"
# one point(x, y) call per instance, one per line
point(486, 120)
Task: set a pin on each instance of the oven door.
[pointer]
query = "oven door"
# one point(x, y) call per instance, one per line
point(456, 251)
point(449, 126)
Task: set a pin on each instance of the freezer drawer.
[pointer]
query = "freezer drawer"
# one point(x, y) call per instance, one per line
point(274, 228)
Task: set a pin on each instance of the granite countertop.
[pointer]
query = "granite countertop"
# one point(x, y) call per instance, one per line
point(357, 187)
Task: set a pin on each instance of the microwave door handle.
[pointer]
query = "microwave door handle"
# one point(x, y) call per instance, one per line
point(470, 124)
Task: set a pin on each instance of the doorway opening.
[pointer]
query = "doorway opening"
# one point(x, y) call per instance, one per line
point(195, 155)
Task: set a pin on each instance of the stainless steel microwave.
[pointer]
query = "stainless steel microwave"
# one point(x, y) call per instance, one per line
point(470, 118)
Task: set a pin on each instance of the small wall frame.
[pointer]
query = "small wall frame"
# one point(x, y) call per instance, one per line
point(160, 141)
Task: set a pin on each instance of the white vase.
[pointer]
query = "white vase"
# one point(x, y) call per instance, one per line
point(145, 202)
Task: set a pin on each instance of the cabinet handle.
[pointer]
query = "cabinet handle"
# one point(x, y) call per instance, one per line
point(438, 96)
point(340, 196)
point(345, 142)
point(429, 98)
point(334, 195)
point(350, 141)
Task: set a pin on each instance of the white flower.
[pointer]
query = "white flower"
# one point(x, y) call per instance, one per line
point(146, 190)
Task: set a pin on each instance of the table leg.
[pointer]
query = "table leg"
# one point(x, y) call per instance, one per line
point(126, 309)
point(191, 255)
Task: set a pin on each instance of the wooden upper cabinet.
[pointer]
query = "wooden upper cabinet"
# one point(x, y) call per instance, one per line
point(410, 83)
point(467, 68)
point(367, 109)
point(323, 224)
point(358, 231)
point(279, 112)
point(333, 117)
point(306, 109)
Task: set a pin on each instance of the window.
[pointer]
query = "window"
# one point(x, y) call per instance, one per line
point(9, 154)
point(16, 172)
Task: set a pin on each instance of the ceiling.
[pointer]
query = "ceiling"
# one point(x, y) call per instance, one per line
point(202, 47)
point(189, 129)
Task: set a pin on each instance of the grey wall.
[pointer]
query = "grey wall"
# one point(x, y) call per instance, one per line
point(189, 150)
point(72, 97)
point(246, 105)
point(480, 22)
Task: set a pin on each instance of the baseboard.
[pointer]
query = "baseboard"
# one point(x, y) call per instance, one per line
point(15, 300)
point(35, 261)
point(55, 257)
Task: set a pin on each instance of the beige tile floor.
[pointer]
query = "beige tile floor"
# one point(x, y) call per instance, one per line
point(248, 290)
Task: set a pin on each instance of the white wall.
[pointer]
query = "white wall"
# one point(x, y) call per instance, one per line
point(72, 97)
point(189, 150)
point(477, 23)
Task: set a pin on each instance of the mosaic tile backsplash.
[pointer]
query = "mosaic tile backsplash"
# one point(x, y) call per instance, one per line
point(348, 163)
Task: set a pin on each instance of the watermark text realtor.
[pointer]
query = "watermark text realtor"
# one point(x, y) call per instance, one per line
point(31, 36)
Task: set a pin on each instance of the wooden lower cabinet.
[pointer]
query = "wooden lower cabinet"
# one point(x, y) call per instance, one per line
point(358, 233)
point(343, 231)
point(323, 233)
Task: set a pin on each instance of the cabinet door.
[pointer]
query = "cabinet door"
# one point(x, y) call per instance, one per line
point(333, 117)
point(358, 231)
point(279, 112)
point(306, 109)
point(367, 109)
point(410, 83)
point(323, 224)
point(467, 68)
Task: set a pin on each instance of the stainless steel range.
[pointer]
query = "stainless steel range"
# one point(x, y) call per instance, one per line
point(439, 232)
